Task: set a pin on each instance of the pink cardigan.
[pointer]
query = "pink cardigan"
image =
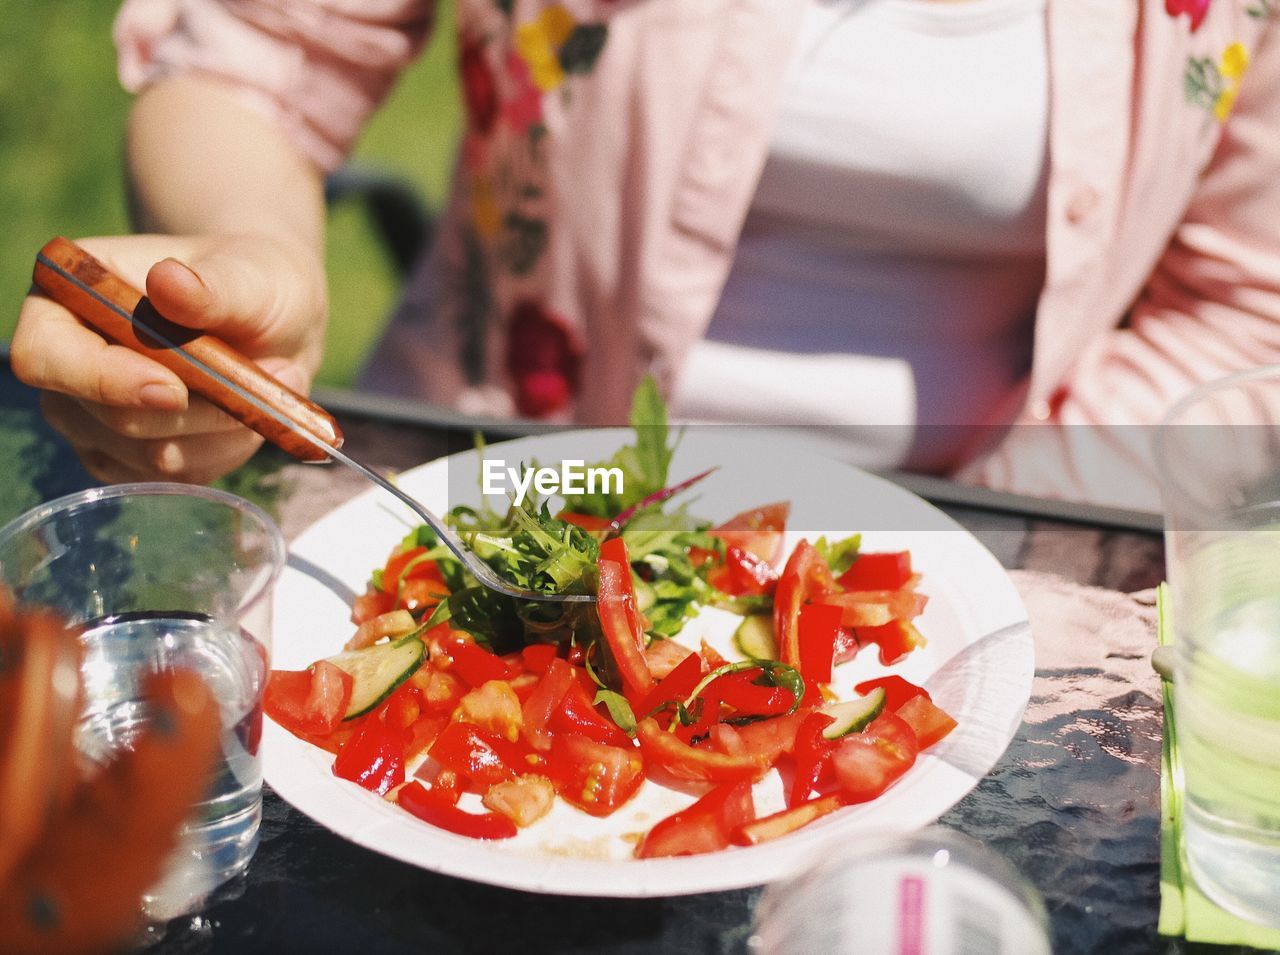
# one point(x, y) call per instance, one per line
point(613, 148)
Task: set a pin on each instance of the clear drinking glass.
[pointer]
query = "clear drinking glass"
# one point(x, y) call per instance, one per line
point(1219, 455)
point(936, 891)
point(158, 577)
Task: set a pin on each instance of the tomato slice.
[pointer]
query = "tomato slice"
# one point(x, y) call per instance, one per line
point(868, 763)
point(577, 714)
point(757, 531)
point(409, 565)
point(930, 723)
point(692, 762)
point(743, 573)
point(372, 603)
point(595, 777)
point(473, 753)
point(769, 739)
point(706, 826)
point(619, 618)
point(310, 701)
point(433, 808)
point(544, 701)
point(806, 576)
point(896, 690)
point(887, 571)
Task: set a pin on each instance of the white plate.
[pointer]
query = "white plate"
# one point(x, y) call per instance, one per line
point(978, 666)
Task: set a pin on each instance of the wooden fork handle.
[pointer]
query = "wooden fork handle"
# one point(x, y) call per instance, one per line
point(207, 365)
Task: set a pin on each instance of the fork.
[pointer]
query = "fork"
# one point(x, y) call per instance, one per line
point(210, 367)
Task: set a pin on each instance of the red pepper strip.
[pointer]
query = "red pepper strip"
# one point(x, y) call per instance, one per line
point(577, 714)
point(805, 577)
point(374, 756)
point(818, 626)
point(676, 685)
point(812, 755)
point(787, 821)
point(474, 664)
point(538, 656)
point(748, 698)
point(619, 618)
point(896, 691)
point(543, 701)
point(663, 749)
point(895, 640)
point(441, 813)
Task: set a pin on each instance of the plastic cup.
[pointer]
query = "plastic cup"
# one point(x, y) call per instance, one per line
point(159, 577)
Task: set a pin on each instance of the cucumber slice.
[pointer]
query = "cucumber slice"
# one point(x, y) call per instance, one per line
point(754, 637)
point(853, 716)
point(377, 670)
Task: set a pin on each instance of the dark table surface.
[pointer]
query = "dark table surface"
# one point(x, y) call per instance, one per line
point(1073, 804)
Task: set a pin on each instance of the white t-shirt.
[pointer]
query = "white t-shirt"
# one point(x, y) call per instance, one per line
point(894, 251)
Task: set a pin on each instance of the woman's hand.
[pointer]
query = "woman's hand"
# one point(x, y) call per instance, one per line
point(131, 419)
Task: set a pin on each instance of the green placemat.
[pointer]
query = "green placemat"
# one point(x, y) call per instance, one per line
point(1184, 910)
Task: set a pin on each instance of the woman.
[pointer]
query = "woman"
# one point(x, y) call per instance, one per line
point(1082, 263)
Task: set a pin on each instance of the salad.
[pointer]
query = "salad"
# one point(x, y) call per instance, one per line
point(477, 713)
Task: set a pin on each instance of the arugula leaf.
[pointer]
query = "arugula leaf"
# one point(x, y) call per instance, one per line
point(839, 555)
point(619, 710)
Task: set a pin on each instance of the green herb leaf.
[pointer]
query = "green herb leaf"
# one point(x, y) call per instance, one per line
point(840, 555)
point(619, 710)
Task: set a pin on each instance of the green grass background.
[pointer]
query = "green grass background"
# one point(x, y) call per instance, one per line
point(62, 116)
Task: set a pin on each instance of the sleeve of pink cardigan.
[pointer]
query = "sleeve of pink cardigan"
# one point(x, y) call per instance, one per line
point(317, 67)
point(1210, 308)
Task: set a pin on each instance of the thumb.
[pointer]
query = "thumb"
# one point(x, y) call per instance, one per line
point(246, 291)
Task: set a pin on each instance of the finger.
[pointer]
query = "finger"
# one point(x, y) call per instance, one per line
point(197, 459)
point(247, 289)
point(200, 418)
point(52, 350)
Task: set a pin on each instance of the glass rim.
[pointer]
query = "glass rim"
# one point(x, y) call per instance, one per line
point(1196, 395)
point(148, 489)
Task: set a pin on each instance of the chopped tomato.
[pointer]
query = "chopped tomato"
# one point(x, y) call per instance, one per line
point(440, 691)
point(663, 656)
point(887, 571)
point(310, 701)
point(805, 577)
point(435, 809)
point(420, 595)
point(868, 763)
point(409, 565)
point(619, 619)
point(847, 645)
point(422, 733)
point(743, 573)
point(593, 776)
point(856, 611)
point(895, 639)
point(769, 739)
point(706, 826)
point(683, 761)
point(393, 623)
point(896, 690)
point(493, 707)
point(473, 753)
point(812, 756)
point(577, 714)
point(930, 723)
point(374, 756)
point(538, 656)
point(523, 800)
point(544, 701)
point(818, 624)
point(787, 821)
point(370, 604)
point(758, 531)
point(402, 707)
point(474, 664)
